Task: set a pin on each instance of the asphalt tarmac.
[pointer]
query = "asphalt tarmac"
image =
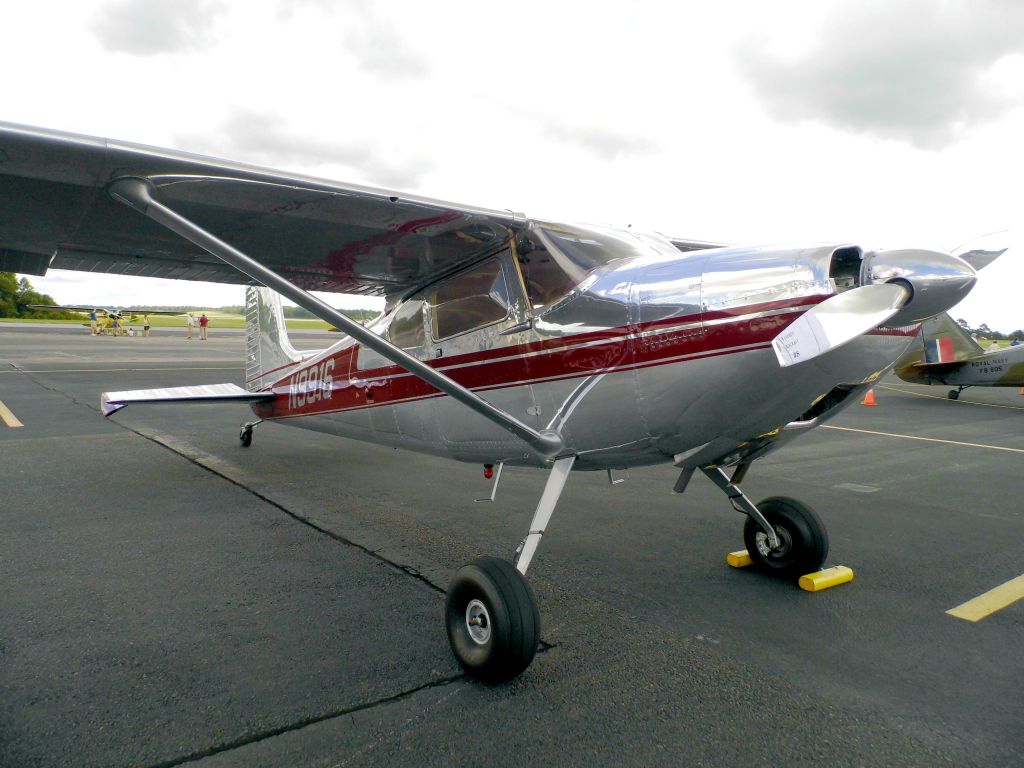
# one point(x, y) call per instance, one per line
point(169, 597)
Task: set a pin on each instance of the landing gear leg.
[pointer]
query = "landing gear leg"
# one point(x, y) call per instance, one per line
point(784, 537)
point(490, 612)
point(245, 434)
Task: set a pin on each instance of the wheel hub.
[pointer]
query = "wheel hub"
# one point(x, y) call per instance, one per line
point(478, 622)
point(785, 543)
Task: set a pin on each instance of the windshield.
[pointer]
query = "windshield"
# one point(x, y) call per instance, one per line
point(555, 258)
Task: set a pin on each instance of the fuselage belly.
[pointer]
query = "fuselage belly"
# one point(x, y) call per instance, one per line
point(639, 416)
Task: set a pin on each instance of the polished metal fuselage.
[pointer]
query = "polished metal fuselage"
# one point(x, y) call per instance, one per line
point(648, 358)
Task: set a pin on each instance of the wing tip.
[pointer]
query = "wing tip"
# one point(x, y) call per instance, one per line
point(109, 407)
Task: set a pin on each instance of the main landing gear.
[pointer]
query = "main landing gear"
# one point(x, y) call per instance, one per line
point(491, 613)
point(784, 537)
point(245, 434)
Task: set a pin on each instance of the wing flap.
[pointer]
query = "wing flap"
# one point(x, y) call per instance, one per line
point(111, 402)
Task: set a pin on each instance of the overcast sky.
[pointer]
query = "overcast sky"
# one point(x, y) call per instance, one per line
point(886, 124)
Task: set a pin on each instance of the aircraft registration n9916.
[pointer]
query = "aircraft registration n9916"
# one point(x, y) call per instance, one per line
point(505, 339)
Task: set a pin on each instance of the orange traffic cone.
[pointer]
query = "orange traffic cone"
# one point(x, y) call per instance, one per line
point(1022, 390)
point(869, 398)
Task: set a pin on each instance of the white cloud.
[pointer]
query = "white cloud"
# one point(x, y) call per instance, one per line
point(153, 27)
point(639, 113)
point(265, 138)
point(918, 71)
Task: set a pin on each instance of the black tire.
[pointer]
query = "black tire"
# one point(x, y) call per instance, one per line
point(954, 394)
point(491, 592)
point(803, 539)
point(245, 438)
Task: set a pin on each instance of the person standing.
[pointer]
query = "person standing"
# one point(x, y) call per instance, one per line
point(204, 321)
point(190, 320)
point(145, 325)
point(94, 326)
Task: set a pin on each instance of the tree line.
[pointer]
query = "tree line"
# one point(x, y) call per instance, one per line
point(984, 332)
point(16, 295)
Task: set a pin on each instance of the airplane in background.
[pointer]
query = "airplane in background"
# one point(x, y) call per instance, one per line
point(107, 323)
point(505, 339)
point(947, 354)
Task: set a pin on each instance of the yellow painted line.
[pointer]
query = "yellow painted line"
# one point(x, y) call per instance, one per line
point(946, 399)
point(926, 439)
point(990, 602)
point(9, 418)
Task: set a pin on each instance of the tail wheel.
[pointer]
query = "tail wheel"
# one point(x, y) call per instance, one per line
point(953, 394)
point(245, 437)
point(803, 541)
point(492, 620)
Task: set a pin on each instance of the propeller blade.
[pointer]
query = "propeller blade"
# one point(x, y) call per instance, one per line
point(838, 320)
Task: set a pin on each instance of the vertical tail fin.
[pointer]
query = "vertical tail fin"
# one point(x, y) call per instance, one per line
point(267, 347)
point(958, 342)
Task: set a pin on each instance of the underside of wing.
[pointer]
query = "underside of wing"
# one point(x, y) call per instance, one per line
point(55, 212)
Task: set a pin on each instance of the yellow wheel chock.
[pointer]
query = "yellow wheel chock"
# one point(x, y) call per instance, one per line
point(811, 582)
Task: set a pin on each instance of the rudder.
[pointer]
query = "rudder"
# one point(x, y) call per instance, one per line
point(267, 348)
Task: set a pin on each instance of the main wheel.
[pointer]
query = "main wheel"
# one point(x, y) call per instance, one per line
point(803, 541)
point(953, 394)
point(492, 619)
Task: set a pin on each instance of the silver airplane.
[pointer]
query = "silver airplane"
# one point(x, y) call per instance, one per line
point(506, 340)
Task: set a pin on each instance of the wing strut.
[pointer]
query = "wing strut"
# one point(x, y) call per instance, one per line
point(139, 194)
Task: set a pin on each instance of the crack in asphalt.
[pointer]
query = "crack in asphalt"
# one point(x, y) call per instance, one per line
point(197, 461)
point(408, 570)
point(300, 724)
point(258, 736)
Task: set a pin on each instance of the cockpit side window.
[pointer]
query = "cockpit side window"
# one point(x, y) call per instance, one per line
point(470, 300)
point(407, 331)
point(546, 282)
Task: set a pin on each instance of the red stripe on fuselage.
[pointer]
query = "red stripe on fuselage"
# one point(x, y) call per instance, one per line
point(616, 349)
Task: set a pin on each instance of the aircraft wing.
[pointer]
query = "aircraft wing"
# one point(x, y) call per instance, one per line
point(169, 312)
point(55, 212)
point(694, 245)
point(111, 402)
point(66, 308)
point(103, 310)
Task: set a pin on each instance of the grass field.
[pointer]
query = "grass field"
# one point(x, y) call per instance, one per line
point(217, 320)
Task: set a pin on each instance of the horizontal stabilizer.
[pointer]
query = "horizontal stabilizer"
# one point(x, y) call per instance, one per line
point(111, 402)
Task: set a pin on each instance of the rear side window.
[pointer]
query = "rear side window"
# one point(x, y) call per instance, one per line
point(471, 300)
